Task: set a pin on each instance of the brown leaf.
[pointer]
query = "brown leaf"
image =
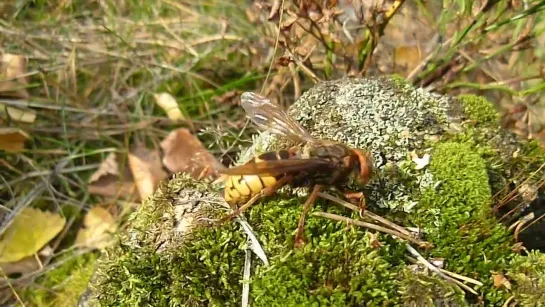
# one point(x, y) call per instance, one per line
point(147, 170)
point(110, 181)
point(26, 265)
point(12, 139)
point(500, 280)
point(288, 22)
point(107, 167)
point(12, 67)
point(183, 152)
point(274, 9)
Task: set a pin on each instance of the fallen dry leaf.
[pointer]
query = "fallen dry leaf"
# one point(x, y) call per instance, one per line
point(107, 167)
point(420, 162)
point(110, 181)
point(147, 170)
point(28, 233)
point(16, 114)
point(26, 265)
point(12, 84)
point(500, 280)
point(169, 105)
point(99, 227)
point(12, 139)
point(183, 152)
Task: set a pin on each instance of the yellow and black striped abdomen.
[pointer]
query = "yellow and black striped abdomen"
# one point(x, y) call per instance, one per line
point(239, 188)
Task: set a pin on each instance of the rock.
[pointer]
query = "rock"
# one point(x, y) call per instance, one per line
point(173, 256)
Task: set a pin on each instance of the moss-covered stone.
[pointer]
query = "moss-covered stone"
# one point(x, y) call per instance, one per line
point(456, 217)
point(173, 256)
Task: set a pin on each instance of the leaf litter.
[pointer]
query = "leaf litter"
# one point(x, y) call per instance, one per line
point(169, 105)
point(98, 229)
point(147, 169)
point(29, 232)
point(12, 139)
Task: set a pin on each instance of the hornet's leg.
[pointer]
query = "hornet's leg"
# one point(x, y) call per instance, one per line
point(357, 198)
point(265, 192)
point(306, 208)
point(203, 173)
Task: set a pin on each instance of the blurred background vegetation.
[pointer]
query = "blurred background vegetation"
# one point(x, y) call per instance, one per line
point(101, 100)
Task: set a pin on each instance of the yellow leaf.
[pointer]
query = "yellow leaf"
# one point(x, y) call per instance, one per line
point(12, 139)
point(169, 104)
point(29, 232)
point(99, 226)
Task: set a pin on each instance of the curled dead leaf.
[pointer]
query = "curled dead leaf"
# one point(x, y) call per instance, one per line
point(183, 152)
point(99, 228)
point(147, 170)
point(111, 181)
point(169, 105)
point(500, 281)
point(107, 167)
point(12, 139)
point(12, 82)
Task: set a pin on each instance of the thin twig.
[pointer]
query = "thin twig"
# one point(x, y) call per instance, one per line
point(365, 212)
point(275, 46)
point(247, 274)
point(435, 269)
point(370, 226)
point(461, 277)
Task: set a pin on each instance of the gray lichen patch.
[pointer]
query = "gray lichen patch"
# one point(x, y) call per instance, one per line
point(389, 119)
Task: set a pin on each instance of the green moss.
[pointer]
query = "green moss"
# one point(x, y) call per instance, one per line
point(206, 270)
point(479, 109)
point(398, 80)
point(338, 266)
point(458, 220)
point(528, 275)
point(421, 289)
point(63, 285)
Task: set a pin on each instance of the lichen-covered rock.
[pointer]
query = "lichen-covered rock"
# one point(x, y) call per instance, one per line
point(173, 256)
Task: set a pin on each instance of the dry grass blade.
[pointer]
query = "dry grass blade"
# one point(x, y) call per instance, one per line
point(461, 277)
point(365, 213)
point(246, 276)
point(435, 269)
point(394, 233)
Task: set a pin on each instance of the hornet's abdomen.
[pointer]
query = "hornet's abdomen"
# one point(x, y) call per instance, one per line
point(240, 188)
